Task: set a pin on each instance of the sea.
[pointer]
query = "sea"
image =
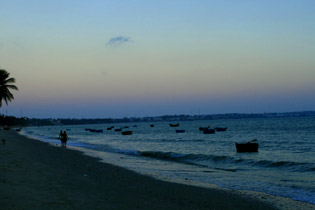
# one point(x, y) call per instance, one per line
point(283, 166)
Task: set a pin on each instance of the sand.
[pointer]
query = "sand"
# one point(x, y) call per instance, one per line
point(36, 175)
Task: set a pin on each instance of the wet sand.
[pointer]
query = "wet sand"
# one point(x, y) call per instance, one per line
point(36, 175)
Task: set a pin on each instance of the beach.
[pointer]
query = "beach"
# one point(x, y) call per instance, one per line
point(37, 175)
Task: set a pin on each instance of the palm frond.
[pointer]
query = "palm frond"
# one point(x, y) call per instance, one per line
point(5, 86)
point(13, 87)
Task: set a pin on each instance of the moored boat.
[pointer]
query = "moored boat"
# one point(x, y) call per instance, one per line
point(94, 130)
point(126, 133)
point(174, 125)
point(220, 129)
point(204, 128)
point(209, 131)
point(251, 146)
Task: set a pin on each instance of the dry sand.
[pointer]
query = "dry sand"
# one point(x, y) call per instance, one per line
point(36, 175)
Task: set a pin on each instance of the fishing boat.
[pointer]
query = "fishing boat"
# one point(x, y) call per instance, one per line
point(250, 146)
point(126, 133)
point(204, 128)
point(220, 129)
point(174, 125)
point(209, 131)
point(94, 130)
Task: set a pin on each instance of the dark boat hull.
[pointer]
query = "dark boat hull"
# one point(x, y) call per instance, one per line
point(247, 147)
point(126, 133)
point(220, 129)
point(203, 128)
point(209, 131)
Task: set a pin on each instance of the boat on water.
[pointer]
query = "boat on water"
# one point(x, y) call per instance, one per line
point(152, 126)
point(204, 128)
point(94, 130)
point(250, 146)
point(174, 125)
point(220, 129)
point(209, 131)
point(180, 131)
point(126, 133)
point(110, 128)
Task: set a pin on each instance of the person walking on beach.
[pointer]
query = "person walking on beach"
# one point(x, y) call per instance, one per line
point(60, 134)
point(64, 139)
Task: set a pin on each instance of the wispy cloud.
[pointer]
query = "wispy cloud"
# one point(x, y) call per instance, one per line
point(118, 41)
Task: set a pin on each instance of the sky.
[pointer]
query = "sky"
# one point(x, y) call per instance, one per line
point(135, 58)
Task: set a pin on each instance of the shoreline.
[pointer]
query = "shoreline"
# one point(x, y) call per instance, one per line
point(36, 175)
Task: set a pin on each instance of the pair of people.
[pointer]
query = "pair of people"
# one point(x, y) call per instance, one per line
point(63, 136)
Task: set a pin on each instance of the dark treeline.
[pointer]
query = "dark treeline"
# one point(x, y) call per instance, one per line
point(14, 121)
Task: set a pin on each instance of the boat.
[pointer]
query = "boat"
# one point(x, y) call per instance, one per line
point(250, 146)
point(203, 128)
point(209, 131)
point(174, 125)
point(152, 126)
point(118, 129)
point(180, 131)
point(126, 133)
point(219, 129)
point(94, 130)
point(110, 128)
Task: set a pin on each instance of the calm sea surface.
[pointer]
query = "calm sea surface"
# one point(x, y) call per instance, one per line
point(284, 165)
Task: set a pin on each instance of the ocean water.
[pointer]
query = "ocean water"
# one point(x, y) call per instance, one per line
point(284, 165)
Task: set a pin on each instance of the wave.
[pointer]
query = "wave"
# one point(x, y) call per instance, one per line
point(287, 165)
point(212, 160)
point(185, 157)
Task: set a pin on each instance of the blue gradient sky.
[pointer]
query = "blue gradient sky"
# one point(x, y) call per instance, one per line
point(137, 58)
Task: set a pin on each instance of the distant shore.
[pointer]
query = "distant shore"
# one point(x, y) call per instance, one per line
point(36, 175)
point(24, 121)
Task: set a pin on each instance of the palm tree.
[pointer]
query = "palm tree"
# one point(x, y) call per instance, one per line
point(5, 86)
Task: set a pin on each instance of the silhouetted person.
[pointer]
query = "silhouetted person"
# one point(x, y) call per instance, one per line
point(64, 139)
point(60, 134)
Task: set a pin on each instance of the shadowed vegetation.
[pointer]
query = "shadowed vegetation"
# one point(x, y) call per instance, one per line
point(6, 84)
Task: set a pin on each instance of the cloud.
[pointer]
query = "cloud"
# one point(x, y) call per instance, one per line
point(118, 41)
